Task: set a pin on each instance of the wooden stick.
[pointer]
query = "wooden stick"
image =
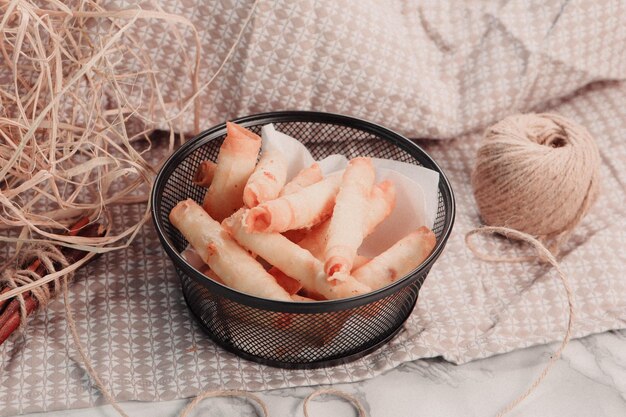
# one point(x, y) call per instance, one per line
point(13, 321)
point(13, 307)
point(4, 302)
point(10, 318)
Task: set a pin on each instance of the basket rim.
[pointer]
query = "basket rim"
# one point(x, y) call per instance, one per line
point(323, 306)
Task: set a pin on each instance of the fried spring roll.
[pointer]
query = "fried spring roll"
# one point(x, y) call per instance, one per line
point(308, 176)
point(315, 240)
point(267, 180)
point(235, 163)
point(359, 261)
point(301, 298)
point(303, 209)
point(382, 202)
point(211, 274)
point(312, 295)
point(290, 285)
point(225, 257)
point(193, 259)
point(291, 259)
point(204, 173)
point(400, 259)
point(349, 220)
point(296, 235)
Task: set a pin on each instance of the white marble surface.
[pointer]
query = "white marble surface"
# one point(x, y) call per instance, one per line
point(589, 380)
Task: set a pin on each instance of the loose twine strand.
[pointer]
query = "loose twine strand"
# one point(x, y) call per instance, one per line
point(545, 255)
point(334, 392)
point(71, 324)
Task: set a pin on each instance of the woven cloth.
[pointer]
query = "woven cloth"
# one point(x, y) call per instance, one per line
point(129, 308)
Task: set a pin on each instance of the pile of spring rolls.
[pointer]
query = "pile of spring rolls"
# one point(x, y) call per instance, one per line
point(295, 240)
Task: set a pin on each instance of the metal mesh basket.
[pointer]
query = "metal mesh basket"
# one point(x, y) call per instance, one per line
point(285, 334)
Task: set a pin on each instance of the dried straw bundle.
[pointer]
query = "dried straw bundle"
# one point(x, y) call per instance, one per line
point(72, 77)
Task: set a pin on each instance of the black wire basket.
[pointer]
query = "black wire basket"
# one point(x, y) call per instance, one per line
point(292, 334)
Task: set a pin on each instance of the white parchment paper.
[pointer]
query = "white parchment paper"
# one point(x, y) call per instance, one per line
point(416, 188)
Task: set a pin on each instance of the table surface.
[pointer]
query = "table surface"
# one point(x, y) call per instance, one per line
point(589, 380)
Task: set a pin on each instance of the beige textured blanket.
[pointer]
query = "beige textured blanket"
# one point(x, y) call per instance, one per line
point(434, 69)
point(439, 69)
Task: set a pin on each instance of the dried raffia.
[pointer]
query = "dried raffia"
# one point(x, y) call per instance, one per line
point(72, 78)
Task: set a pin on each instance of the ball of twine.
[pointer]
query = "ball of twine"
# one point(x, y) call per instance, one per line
point(535, 178)
point(536, 173)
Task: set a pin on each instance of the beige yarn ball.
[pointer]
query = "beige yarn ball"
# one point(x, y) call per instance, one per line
point(536, 173)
